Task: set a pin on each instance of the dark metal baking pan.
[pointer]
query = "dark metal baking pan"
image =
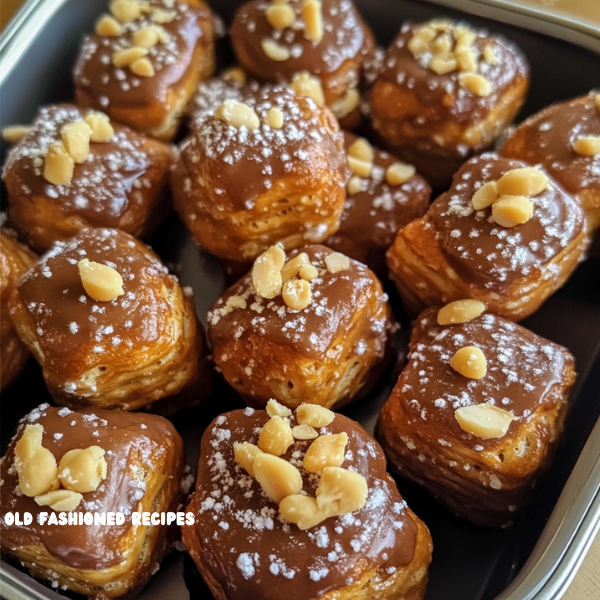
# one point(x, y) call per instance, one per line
point(537, 557)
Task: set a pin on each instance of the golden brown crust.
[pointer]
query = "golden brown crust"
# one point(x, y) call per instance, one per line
point(15, 259)
point(142, 347)
point(153, 105)
point(122, 183)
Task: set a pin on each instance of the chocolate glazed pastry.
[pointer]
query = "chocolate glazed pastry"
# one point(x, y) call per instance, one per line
point(244, 548)
point(444, 92)
point(115, 178)
point(142, 348)
point(143, 63)
point(565, 140)
point(137, 465)
point(482, 465)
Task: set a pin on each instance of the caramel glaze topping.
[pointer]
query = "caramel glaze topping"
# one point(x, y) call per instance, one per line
point(133, 442)
point(522, 369)
point(102, 188)
point(440, 97)
point(242, 165)
point(345, 37)
point(111, 85)
point(76, 333)
point(547, 138)
point(482, 251)
point(373, 216)
point(311, 331)
point(253, 553)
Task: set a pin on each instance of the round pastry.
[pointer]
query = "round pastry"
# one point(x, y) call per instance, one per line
point(565, 140)
point(446, 91)
point(384, 194)
point(266, 170)
point(110, 327)
point(144, 60)
point(74, 169)
point(312, 514)
point(323, 41)
point(312, 327)
point(15, 259)
point(63, 465)
point(478, 410)
point(504, 233)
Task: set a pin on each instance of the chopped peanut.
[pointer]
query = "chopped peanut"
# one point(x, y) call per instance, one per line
point(485, 196)
point(101, 282)
point(301, 510)
point(266, 272)
point(274, 118)
point(60, 500)
point(244, 454)
point(107, 26)
point(341, 491)
point(276, 436)
point(484, 420)
point(280, 16)
point(362, 150)
point(125, 10)
point(476, 84)
point(142, 67)
point(345, 105)
point(237, 114)
point(304, 84)
point(360, 167)
point(127, 56)
point(276, 409)
point(99, 123)
point(292, 267)
point(274, 50)
point(336, 262)
point(469, 362)
point(314, 415)
point(526, 181)
point(587, 145)
point(76, 138)
point(82, 470)
point(13, 134)
point(509, 211)
point(312, 13)
point(58, 165)
point(297, 294)
point(326, 451)
point(277, 477)
point(398, 173)
point(460, 311)
point(304, 432)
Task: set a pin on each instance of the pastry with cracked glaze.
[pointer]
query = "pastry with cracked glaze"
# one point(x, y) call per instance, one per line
point(547, 138)
point(122, 183)
point(456, 252)
point(182, 55)
point(15, 259)
point(239, 191)
point(244, 549)
point(429, 118)
point(373, 215)
point(483, 480)
point(142, 350)
point(329, 353)
point(144, 472)
point(336, 60)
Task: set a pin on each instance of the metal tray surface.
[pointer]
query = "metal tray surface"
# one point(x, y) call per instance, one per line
point(539, 555)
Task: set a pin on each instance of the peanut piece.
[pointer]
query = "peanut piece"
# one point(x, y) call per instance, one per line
point(82, 470)
point(145, 37)
point(308, 272)
point(277, 477)
point(398, 173)
point(349, 102)
point(244, 454)
point(341, 491)
point(35, 465)
point(99, 123)
point(107, 26)
point(485, 196)
point(13, 134)
point(361, 168)
point(125, 10)
point(236, 74)
point(484, 420)
point(274, 118)
point(304, 432)
point(60, 500)
point(292, 267)
point(526, 181)
point(476, 84)
point(280, 16)
point(234, 302)
point(304, 84)
point(587, 145)
point(421, 40)
point(276, 409)
point(467, 61)
point(442, 44)
point(355, 185)
point(509, 211)
point(76, 138)
point(326, 451)
point(127, 56)
point(597, 102)
point(460, 311)
point(297, 294)
point(301, 510)
point(362, 150)
point(101, 282)
point(469, 362)
point(464, 38)
point(276, 436)
point(314, 415)
point(274, 50)
point(312, 13)
point(142, 67)
point(266, 272)
point(443, 64)
point(237, 114)
point(336, 261)
point(58, 165)
point(162, 16)
point(489, 55)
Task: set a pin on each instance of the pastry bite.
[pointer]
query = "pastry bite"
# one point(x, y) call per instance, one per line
point(446, 91)
point(15, 259)
point(75, 168)
point(477, 412)
point(312, 326)
point(565, 139)
point(63, 465)
point(143, 62)
point(268, 169)
point(504, 233)
point(324, 43)
point(300, 506)
point(383, 195)
point(110, 327)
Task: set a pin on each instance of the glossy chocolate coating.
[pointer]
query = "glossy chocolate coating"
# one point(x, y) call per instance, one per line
point(252, 553)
